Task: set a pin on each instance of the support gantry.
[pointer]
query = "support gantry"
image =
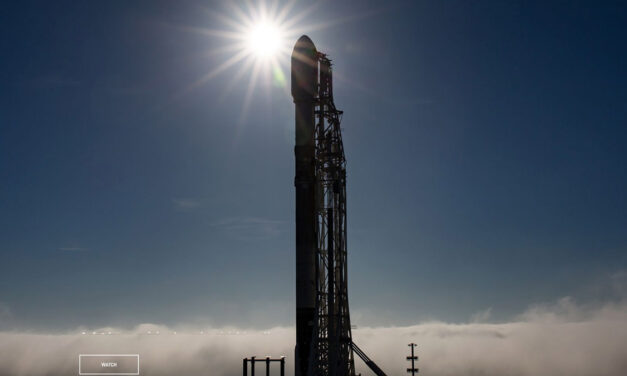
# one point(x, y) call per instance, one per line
point(332, 353)
point(324, 345)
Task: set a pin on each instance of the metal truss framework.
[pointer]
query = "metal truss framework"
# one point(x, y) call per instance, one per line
point(332, 347)
point(331, 342)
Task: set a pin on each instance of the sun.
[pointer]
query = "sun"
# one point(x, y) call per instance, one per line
point(264, 39)
point(256, 41)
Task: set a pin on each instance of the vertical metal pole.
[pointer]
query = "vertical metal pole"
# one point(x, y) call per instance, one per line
point(413, 366)
point(413, 359)
point(252, 366)
point(267, 366)
point(282, 366)
point(245, 366)
point(332, 336)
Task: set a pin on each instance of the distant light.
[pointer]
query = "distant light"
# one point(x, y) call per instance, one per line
point(264, 39)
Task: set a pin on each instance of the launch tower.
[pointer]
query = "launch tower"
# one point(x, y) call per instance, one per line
point(324, 345)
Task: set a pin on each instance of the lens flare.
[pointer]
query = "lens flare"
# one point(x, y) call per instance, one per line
point(264, 39)
point(255, 40)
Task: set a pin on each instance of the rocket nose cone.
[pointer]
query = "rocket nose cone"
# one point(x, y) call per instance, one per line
point(304, 39)
point(304, 69)
point(304, 43)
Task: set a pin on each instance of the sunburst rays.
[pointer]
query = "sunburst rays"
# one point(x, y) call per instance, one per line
point(258, 38)
point(242, 30)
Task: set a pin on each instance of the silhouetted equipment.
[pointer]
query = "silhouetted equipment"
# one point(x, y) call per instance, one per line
point(267, 360)
point(304, 87)
point(377, 371)
point(413, 370)
point(324, 345)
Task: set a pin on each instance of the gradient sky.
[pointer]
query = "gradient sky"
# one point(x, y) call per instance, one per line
point(485, 144)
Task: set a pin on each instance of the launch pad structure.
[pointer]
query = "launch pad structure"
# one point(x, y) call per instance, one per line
point(324, 345)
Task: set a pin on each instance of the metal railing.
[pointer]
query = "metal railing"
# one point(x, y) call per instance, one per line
point(267, 360)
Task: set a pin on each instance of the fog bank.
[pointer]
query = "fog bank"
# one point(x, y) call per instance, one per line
point(561, 339)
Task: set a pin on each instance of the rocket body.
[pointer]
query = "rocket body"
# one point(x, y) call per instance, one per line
point(304, 85)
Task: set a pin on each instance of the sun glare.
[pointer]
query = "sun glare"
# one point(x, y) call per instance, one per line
point(256, 41)
point(264, 39)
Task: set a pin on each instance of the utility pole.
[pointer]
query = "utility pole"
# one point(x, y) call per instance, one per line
point(413, 370)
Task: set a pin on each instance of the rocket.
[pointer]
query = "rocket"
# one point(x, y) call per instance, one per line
point(304, 88)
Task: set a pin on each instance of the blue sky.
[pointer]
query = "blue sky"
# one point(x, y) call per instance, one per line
point(485, 146)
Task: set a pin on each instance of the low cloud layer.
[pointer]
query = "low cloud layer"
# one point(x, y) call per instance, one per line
point(560, 339)
point(563, 339)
